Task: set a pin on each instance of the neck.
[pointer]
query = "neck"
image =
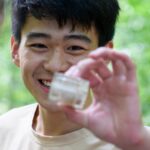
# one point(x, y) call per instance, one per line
point(52, 123)
point(55, 123)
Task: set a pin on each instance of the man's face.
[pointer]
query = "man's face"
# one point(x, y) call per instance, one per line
point(46, 48)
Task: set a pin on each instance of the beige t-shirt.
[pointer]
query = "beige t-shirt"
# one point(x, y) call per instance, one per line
point(16, 133)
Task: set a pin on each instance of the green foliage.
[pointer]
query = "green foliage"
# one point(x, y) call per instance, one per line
point(12, 93)
point(132, 36)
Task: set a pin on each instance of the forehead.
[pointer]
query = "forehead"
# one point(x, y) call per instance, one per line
point(51, 26)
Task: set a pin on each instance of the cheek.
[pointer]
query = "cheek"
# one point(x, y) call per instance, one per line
point(26, 67)
point(75, 59)
point(29, 63)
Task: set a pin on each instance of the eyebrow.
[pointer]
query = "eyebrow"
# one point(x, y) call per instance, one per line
point(78, 37)
point(33, 35)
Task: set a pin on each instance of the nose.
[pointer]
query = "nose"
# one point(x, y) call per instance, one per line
point(56, 62)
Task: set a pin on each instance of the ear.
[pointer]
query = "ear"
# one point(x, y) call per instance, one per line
point(15, 51)
point(109, 44)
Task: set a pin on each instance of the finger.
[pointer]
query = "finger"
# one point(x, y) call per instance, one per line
point(76, 116)
point(102, 52)
point(112, 55)
point(103, 71)
point(85, 70)
point(119, 68)
point(87, 65)
point(71, 71)
point(93, 78)
point(128, 65)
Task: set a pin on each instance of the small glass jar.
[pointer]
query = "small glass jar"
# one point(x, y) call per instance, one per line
point(68, 90)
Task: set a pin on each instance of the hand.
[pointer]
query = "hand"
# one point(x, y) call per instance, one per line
point(114, 115)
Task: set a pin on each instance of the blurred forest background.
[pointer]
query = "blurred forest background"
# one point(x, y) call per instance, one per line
point(132, 36)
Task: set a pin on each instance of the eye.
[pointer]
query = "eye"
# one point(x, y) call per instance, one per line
point(38, 45)
point(75, 48)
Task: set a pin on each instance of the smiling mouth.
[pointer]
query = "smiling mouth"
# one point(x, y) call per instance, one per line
point(45, 83)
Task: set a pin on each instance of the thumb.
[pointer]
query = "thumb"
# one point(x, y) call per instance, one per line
point(76, 116)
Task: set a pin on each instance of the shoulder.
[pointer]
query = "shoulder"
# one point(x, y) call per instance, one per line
point(19, 112)
point(16, 124)
point(16, 115)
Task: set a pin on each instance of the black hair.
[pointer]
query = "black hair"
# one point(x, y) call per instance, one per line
point(100, 13)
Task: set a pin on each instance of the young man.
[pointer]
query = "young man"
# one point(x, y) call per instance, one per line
point(64, 36)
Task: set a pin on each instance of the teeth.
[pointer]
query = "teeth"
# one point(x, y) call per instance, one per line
point(46, 83)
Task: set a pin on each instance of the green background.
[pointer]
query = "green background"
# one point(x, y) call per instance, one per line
point(132, 36)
